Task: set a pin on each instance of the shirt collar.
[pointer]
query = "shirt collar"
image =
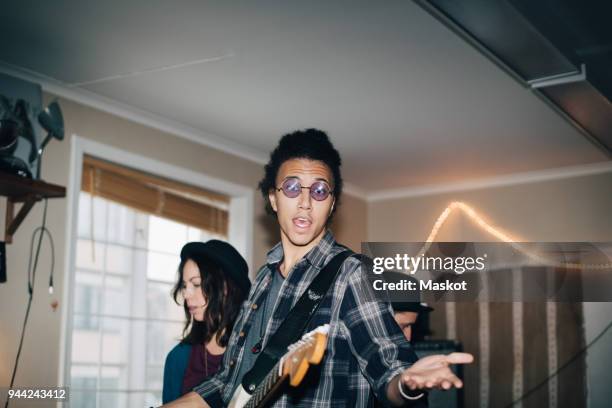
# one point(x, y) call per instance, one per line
point(316, 256)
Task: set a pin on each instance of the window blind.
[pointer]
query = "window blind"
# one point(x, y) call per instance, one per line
point(167, 198)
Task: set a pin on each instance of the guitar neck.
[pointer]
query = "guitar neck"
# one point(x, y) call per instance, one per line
point(266, 389)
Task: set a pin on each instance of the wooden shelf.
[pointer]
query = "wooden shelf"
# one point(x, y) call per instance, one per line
point(27, 191)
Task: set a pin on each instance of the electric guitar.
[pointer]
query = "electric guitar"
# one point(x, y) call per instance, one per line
point(293, 366)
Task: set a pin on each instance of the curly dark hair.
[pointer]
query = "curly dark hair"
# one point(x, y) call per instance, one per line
point(312, 144)
point(223, 297)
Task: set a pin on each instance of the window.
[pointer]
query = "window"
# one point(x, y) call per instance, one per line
point(124, 321)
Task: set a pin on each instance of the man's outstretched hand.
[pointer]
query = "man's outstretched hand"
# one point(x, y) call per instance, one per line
point(433, 372)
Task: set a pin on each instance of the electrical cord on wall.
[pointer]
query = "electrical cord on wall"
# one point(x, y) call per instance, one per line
point(564, 366)
point(32, 266)
point(46, 231)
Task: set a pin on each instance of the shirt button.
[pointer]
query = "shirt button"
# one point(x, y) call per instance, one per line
point(254, 306)
point(232, 362)
point(241, 334)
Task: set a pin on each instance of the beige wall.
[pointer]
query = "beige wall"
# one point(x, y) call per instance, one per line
point(571, 209)
point(350, 222)
point(41, 350)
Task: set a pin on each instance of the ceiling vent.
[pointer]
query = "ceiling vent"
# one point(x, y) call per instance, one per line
point(561, 50)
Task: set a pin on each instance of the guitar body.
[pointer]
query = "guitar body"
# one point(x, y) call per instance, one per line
point(240, 398)
point(292, 366)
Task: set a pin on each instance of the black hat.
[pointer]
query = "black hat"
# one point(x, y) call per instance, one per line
point(224, 255)
point(413, 298)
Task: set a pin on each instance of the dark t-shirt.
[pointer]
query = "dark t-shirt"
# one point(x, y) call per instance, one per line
point(253, 339)
point(200, 367)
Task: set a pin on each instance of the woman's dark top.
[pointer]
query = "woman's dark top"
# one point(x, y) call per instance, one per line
point(201, 365)
point(177, 365)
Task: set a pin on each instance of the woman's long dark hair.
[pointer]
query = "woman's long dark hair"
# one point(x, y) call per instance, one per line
point(223, 299)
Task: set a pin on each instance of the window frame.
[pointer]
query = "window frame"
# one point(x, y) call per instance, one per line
point(240, 229)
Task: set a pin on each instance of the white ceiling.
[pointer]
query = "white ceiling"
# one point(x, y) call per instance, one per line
point(405, 100)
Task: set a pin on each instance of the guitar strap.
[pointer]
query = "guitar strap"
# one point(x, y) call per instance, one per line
point(295, 323)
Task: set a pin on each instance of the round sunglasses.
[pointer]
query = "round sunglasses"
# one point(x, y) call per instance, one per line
point(291, 187)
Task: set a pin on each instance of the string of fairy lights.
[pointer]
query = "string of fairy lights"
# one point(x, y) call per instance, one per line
point(501, 236)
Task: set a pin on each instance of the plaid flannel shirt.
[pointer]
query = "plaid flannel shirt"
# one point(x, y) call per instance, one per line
point(365, 347)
